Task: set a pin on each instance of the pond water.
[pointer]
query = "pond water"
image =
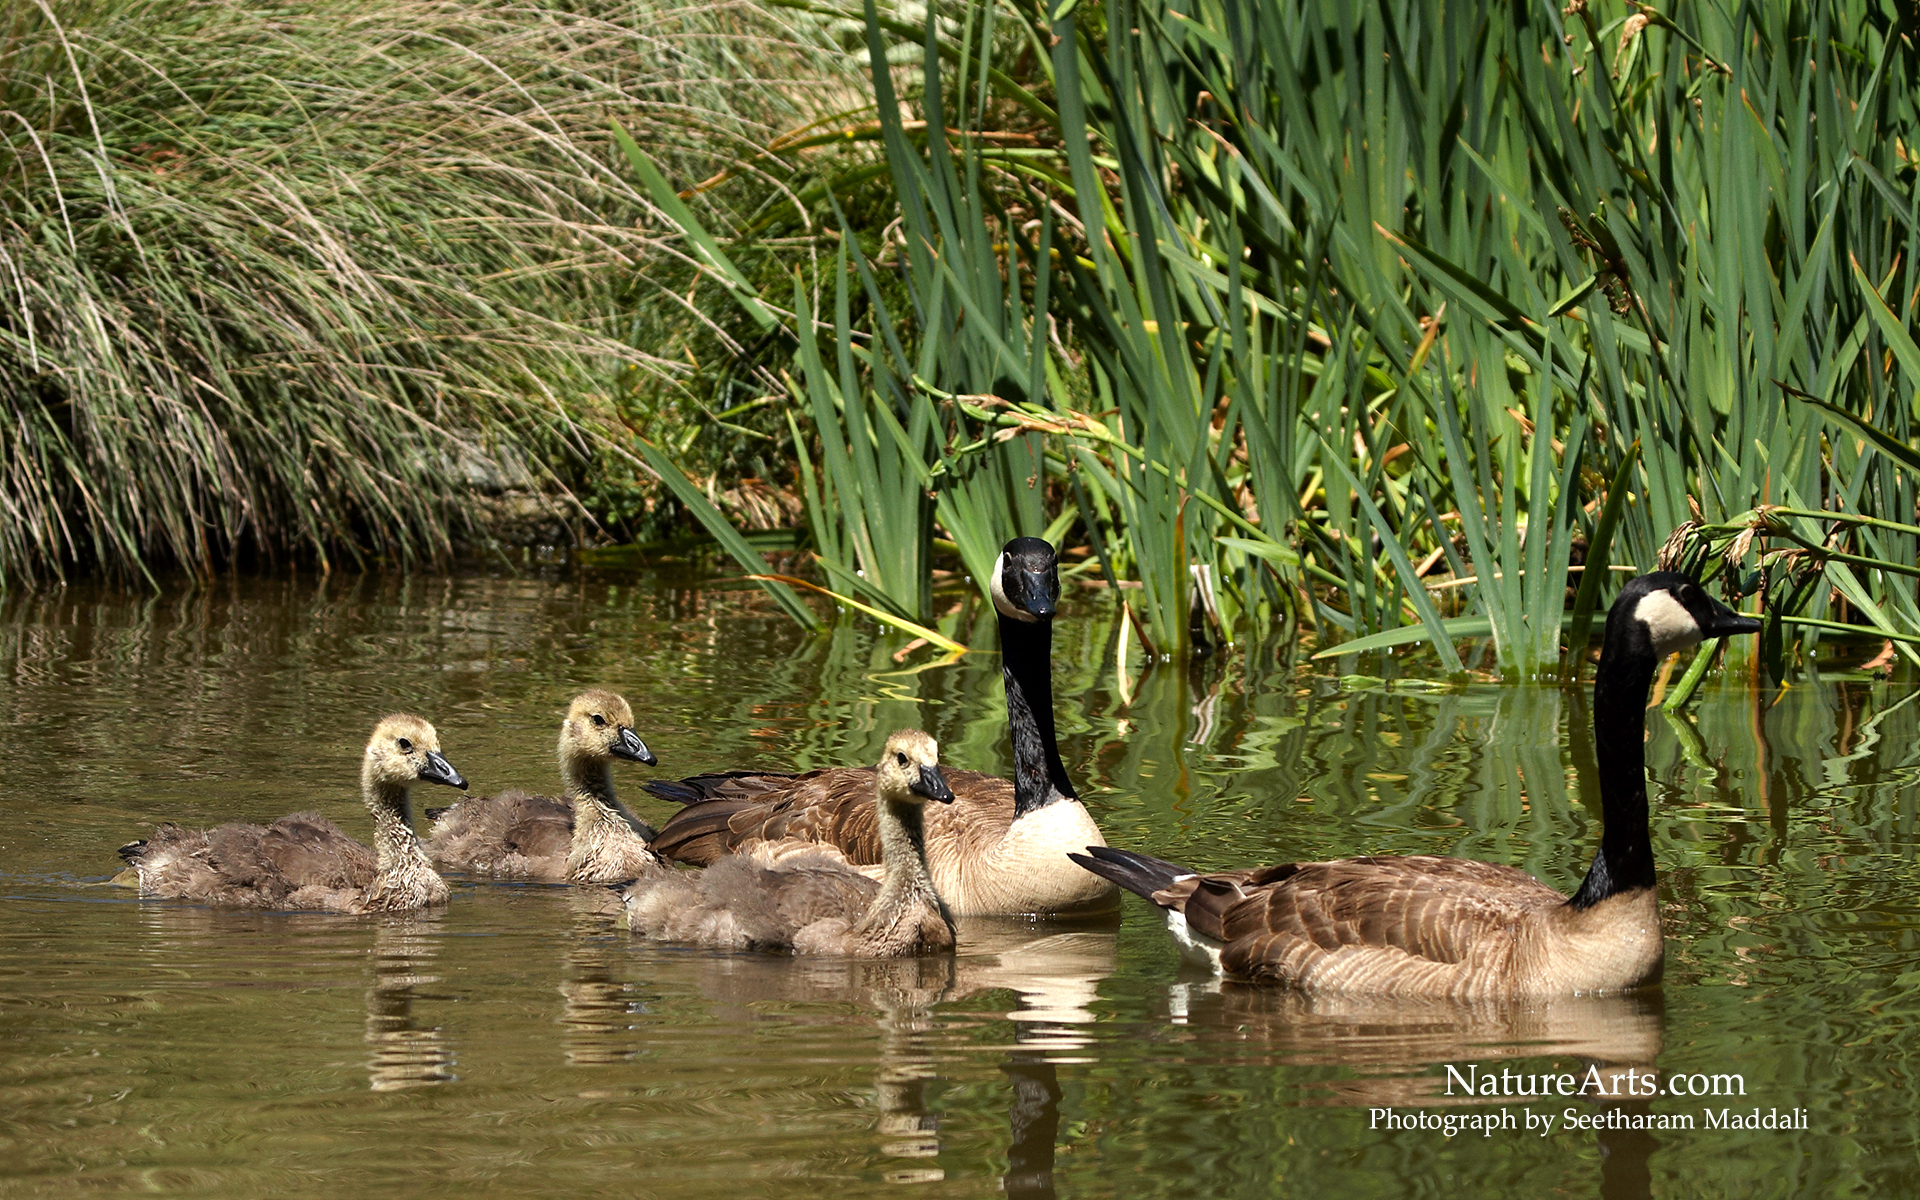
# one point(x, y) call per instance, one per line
point(519, 1040)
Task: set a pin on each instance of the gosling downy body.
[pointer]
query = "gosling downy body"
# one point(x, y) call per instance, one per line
point(776, 896)
point(1000, 848)
point(1428, 926)
point(303, 861)
point(587, 836)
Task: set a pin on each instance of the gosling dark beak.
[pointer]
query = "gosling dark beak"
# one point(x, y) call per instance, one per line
point(1724, 622)
point(932, 784)
point(632, 748)
point(1037, 592)
point(439, 770)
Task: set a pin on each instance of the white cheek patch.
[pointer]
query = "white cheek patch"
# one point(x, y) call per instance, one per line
point(1006, 607)
point(1669, 624)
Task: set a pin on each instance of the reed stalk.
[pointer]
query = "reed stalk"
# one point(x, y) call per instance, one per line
point(1366, 300)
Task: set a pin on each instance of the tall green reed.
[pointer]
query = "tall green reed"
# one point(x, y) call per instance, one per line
point(1390, 312)
point(906, 404)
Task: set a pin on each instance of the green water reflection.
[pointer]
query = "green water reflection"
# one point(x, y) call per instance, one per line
point(520, 1041)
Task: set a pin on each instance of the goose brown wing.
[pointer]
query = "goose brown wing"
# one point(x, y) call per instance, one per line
point(1359, 915)
point(806, 894)
point(740, 903)
point(821, 806)
point(541, 836)
point(833, 807)
point(698, 834)
point(242, 868)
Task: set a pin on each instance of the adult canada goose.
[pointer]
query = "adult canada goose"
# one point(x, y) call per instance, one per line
point(1001, 847)
point(304, 861)
point(587, 836)
point(773, 896)
point(1447, 927)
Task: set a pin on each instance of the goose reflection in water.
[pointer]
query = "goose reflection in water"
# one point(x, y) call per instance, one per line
point(1615, 1034)
point(1055, 975)
point(1054, 972)
point(1395, 1046)
point(407, 1052)
point(596, 1013)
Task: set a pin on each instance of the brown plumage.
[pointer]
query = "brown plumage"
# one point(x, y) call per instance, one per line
point(303, 861)
point(775, 896)
point(1000, 848)
point(1417, 926)
point(976, 849)
point(1450, 928)
point(587, 836)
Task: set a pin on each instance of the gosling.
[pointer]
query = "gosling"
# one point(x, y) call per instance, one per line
point(588, 836)
point(799, 896)
point(303, 861)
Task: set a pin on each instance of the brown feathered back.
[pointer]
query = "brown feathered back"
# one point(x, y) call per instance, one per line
point(832, 806)
point(299, 861)
point(511, 833)
point(1411, 926)
point(983, 860)
point(740, 904)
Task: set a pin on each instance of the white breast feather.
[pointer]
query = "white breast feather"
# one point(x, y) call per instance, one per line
point(1196, 948)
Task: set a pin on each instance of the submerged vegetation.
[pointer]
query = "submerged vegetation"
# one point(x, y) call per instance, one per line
point(1408, 322)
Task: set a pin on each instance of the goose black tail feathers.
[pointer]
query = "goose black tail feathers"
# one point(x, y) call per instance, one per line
point(673, 790)
point(715, 785)
point(133, 850)
point(1141, 874)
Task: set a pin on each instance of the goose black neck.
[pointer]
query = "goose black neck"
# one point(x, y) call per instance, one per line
point(1026, 659)
point(1624, 862)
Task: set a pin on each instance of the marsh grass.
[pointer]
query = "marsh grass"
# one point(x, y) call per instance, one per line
point(1386, 316)
point(300, 277)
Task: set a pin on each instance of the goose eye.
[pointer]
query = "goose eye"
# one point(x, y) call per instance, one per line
point(599, 720)
point(900, 758)
point(406, 747)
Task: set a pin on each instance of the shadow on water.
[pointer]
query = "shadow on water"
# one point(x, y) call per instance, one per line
point(165, 1047)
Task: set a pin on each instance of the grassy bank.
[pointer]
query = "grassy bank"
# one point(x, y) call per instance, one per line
point(1406, 322)
point(302, 279)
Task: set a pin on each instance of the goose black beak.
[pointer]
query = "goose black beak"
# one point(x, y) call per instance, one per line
point(933, 785)
point(631, 747)
point(439, 770)
point(1037, 592)
point(1724, 622)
